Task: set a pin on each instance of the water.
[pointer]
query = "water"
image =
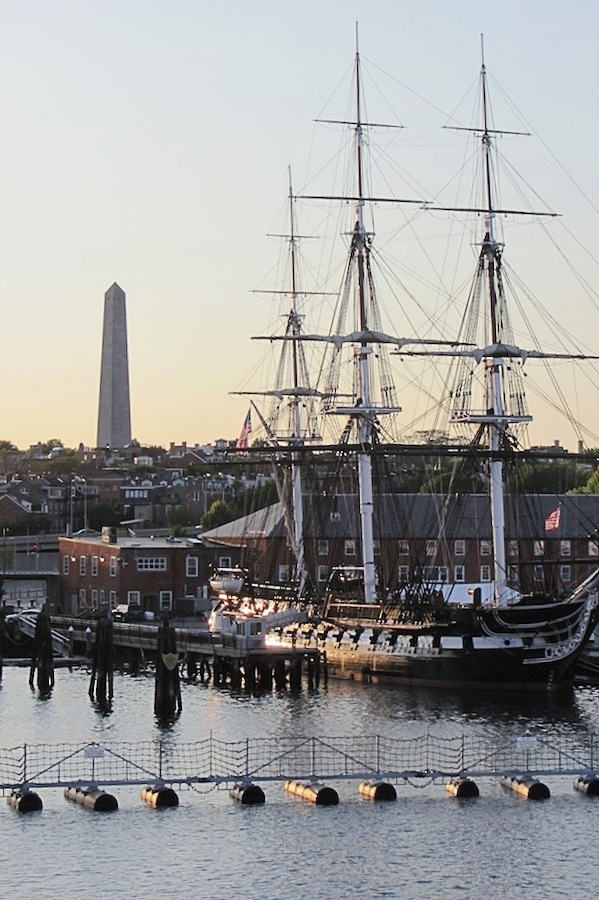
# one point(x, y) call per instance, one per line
point(426, 845)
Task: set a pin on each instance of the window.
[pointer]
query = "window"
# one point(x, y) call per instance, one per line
point(565, 548)
point(565, 573)
point(593, 548)
point(102, 598)
point(404, 574)
point(458, 574)
point(94, 565)
point(82, 565)
point(513, 574)
point(191, 567)
point(134, 598)
point(113, 566)
point(112, 599)
point(431, 548)
point(376, 546)
point(512, 548)
point(151, 564)
point(166, 600)
point(283, 574)
point(350, 548)
point(94, 598)
point(459, 548)
point(538, 548)
point(538, 574)
point(82, 600)
point(485, 573)
point(485, 548)
point(65, 565)
point(224, 562)
point(323, 548)
point(442, 574)
point(323, 573)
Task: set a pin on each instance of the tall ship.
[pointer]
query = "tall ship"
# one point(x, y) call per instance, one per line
point(380, 619)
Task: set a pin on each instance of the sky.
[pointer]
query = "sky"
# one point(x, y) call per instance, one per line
point(149, 144)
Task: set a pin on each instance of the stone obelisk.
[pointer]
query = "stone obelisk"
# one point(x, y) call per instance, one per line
point(114, 415)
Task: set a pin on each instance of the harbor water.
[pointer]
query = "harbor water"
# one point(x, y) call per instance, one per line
point(427, 844)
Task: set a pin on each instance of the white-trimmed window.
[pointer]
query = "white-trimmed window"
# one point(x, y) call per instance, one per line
point(404, 548)
point(404, 574)
point(485, 548)
point(94, 565)
point(442, 574)
point(82, 598)
point(593, 548)
point(512, 548)
point(113, 566)
point(350, 548)
point(431, 548)
point(102, 598)
point(323, 548)
point(323, 573)
point(166, 601)
point(565, 548)
point(565, 573)
point(134, 598)
point(94, 598)
point(224, 562)
point(151, 564)
point(538, 548)
point(485, 573)
point(283, 574)
point(458, 574)
point(513, 574)
point(538, 574)
point(66, 565)
point(112, 599)
point(459, 547)
point(192, 568)
point(82, 565)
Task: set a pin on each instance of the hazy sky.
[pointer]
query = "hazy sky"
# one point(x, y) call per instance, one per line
point(148, 143)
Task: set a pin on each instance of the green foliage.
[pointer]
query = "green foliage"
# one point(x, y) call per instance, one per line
point(548, 478)
point(181, 517)
point(101, 514)
point(219, 513)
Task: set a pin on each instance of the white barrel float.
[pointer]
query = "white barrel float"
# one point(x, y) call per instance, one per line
point(464, 788)
point(93, 798)
point(248, 794)
point(313, 791)
point(374, 789)
point(587, 784)
point(25, 801)
point(159, 796)
point(527, 786)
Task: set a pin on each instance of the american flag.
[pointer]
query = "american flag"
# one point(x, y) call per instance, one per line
point(552, 520)
point(244, 437)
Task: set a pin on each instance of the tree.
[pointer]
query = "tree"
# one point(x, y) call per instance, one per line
point(219, 513)
point(101, 514)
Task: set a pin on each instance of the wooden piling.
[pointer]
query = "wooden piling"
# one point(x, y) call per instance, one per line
point(41, 655)
point(167, 692)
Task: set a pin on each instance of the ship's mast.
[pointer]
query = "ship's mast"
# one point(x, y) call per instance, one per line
point(363, 351)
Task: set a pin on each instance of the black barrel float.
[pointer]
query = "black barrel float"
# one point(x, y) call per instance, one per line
point(462, 787)
point(25, 801)
point(374, 789)
point(248, 794)
point(527, 786)
point(313, 791)
point(92, 798)
point(587, 784)
point(159, 796)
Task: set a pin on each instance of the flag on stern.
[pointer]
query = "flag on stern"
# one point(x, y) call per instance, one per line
point(244, 437)
point(552, 520)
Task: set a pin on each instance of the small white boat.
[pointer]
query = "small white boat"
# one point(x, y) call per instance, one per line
point(227, 581)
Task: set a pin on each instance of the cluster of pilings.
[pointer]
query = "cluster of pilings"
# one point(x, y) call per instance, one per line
point(262, 670)
point(101, 684)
